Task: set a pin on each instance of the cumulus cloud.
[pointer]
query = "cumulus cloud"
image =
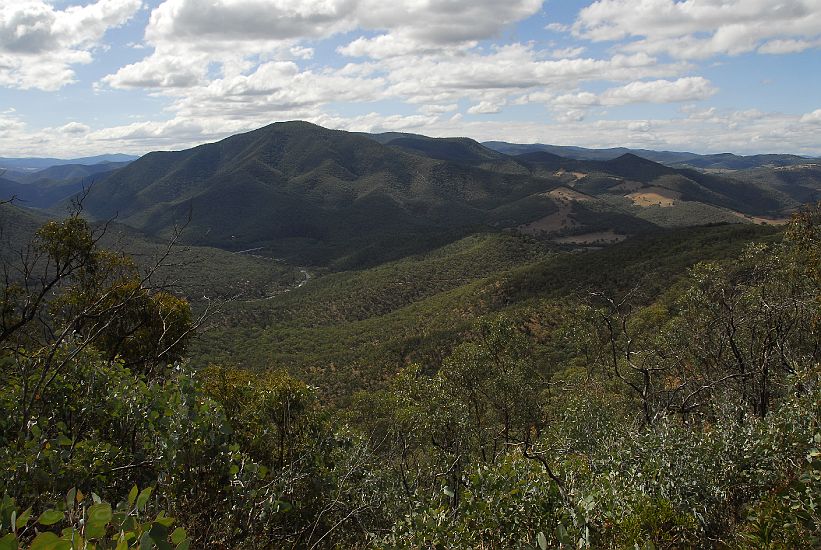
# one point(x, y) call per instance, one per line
point(812, 118)
point(74, 128)
point(563, 53)
point(10, 124)
point(698, 29)
point(691, 88)
point(510, 69)
point(187, 35)
point(275, 90)
point(639, 126)
point(39, 43)
point(788, 46)
point(415, 27)
point(767, 132)
point(226, 66)
point(485, 108)
point(437, 109)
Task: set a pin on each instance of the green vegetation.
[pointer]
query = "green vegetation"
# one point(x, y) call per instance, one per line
point(380, 359)
point(498, 394)
point(339, 200)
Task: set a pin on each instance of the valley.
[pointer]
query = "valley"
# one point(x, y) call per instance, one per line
point(370, 327)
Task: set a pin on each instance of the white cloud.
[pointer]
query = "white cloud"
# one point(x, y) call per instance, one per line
point(416, 28)
point(694, 29)
point(10, 125)
point(376, 122)
point(187, 35)
point(766, 132)
point(225, 66)
point(510, 69)
point(485, 108)
point(716, 131)
point(437, 109)
point(74, 128)
point(812, 118)
point(563, 53)
point(690, 88)
point(443, 23)
point(39, 43)
point(557, 27)
point(273, 90)
point(639, 126)
point(788, 46)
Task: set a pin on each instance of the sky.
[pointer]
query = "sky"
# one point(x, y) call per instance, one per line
point(88, 77)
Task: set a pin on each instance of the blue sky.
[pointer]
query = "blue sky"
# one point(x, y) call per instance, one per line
point(88, 77)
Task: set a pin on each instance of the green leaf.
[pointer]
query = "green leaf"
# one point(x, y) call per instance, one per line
point(49, 541)
point(145, 494)
point(99, 513)
point(146, 542)
point(158, 532)
point(64, 441)
point(164, 521)
point(50, 517)
point(23, 519)
point(95, 530)
point(9, 542)
point(122, 544)
point(128, 524)
point(71, 496)
point(132, 495)
point(73, 535)
point(283, 506)
point(184, 545)
point(542, 540)
point(178, 535)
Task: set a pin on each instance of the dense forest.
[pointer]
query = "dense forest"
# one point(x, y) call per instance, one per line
point(658, 393)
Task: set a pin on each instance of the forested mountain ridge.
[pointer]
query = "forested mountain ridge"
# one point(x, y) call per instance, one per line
point(719, 161)
point(323, 197)
point(298, 187)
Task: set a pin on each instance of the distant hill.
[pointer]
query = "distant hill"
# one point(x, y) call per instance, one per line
point(322, 195)
point(46, 188)
point(456, 149)
point(68, 172)
point(347, 200)
point(36, 163)
point(721, 161)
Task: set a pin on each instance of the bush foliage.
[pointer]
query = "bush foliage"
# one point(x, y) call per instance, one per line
point(677, 414)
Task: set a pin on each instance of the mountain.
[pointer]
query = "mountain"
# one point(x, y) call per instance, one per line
point(321, 194)
point(70, 172)
point(48, 187)
point(721, 161)
point(36, 163)
point(464, 150)
point(348, 200)
point(38, 195)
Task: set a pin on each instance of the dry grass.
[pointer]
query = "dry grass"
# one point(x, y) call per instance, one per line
point(565, 194)
point(654, 196)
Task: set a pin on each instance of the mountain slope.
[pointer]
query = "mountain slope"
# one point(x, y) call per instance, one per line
point(39, 163)
point(45, 188)
point(677, 159)
point(305, 190)
point(344, 200)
